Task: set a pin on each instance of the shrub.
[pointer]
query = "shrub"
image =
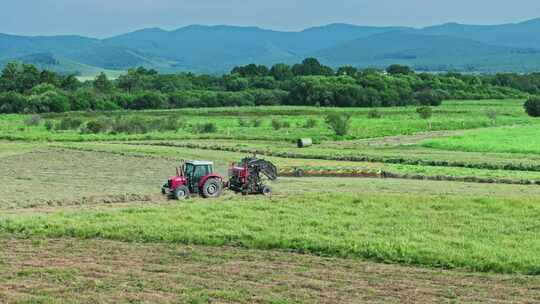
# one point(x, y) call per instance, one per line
point(311, 123)
point(69, 123)
point(97, 126)
point(276, 124)
point(256, 122)
point(132, 125)
point(242, 122)
point(339, 123)
point(425, 112)
point(33, 120)
point(492, 115)
point(532, 106)
point(172, 123)
point(374, 113)
point(208, 127)
point(49, 125)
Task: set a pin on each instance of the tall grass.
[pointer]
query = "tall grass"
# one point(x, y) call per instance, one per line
point(478, 234)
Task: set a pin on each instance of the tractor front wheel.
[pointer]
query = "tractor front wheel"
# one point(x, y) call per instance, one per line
point(212, 188)
point(181, 193)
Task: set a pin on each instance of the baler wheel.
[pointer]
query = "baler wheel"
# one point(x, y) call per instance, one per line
point(266, 191)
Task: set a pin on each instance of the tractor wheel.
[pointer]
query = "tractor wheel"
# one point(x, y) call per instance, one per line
point(266, 191)
point(181, 193)
point(212, 188)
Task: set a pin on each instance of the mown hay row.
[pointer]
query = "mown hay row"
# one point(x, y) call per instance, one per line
point(356, 158)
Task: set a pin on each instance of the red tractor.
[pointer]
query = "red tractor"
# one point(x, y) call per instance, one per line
point(194, 177)
point(198, 178)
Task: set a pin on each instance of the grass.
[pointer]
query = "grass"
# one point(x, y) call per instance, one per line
point(57, 211)
point(516, 139)
point(477, 234)
point(452, 115)
point(36, 271)
point(224, 158)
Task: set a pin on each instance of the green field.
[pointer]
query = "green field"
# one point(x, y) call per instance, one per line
point(454, 220)
point(453, 115)
point(490, 235)
point(515, 139)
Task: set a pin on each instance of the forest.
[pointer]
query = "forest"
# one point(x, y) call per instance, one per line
point(26, 89)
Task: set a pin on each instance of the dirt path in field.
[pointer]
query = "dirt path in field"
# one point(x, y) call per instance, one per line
point(111, 272)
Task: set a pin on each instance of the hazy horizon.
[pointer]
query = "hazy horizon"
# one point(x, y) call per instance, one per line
point(101, 18)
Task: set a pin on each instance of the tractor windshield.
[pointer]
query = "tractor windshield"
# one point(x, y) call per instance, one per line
point(188, 170)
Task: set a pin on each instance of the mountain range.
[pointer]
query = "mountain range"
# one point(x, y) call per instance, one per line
point(216, 49)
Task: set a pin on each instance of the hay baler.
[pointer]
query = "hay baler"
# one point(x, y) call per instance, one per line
point(199, 178)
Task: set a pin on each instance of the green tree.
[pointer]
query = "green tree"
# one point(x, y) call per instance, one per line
point(251, 70)
point(12, 102)
point(396, 69)
point(347, 71)
point(281, 72)
point(102, 84)
point(428, 97)
point(9, 80)
point(29, 77)
point(149, 100)
point(311, 66)
point(532, 106)
point(70, 83)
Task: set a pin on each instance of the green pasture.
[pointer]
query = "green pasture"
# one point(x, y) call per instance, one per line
point(478, 234)
point(252, 123)
point(524, 139)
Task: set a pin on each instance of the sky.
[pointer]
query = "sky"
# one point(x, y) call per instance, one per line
point(106, 18)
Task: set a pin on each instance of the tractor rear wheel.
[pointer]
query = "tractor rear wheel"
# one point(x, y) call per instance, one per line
point(212, 188)
point(181, 193)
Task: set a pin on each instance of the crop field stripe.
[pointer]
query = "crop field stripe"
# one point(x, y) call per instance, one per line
point(101, 271)
point(354, 158)
point(476, 234)
point(331, 173)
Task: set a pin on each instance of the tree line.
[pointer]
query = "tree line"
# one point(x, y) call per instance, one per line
point(26, 89)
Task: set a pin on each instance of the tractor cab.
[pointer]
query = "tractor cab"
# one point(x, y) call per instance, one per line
point(194, 177)
point(194, 171)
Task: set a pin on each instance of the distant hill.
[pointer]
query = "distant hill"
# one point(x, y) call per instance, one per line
point(520, 35)
point(216, 49)
point(430, 52)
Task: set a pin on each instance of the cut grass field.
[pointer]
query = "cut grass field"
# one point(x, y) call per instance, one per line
point(84, 211)
point(91, 174)
point(224, 158)
point(99, 271)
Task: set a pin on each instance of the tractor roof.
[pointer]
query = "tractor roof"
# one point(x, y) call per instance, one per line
point(199, 162)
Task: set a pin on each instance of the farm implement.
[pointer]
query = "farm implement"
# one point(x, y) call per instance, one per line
point(198, 178)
